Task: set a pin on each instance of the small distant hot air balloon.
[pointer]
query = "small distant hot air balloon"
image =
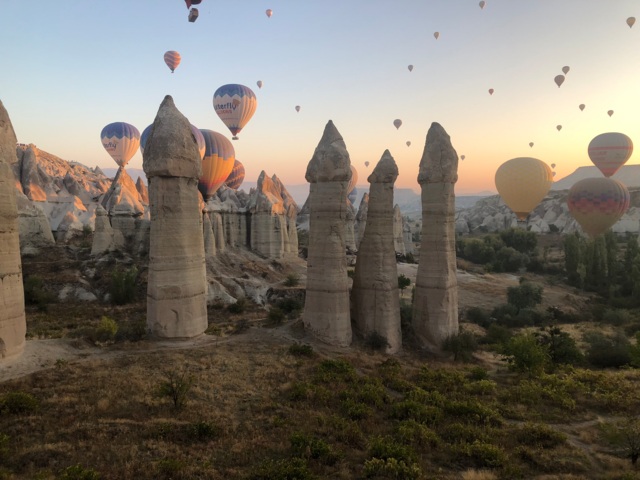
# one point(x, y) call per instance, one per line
point(631, 21)
point(609, 151)
point(259, 83)
point(172, 59)
point(397, 123)
point(235, 105)
point(366, 164)
point(269, 12)
point(522, 184)
point(353, 180)
point(408, 143)
point(482, 4)
point(410, 67)
point(218, 161)
point(565, 70)
point(491, 91)
point(553, 165)
point(192, 2)
point(610, 112)
point(598, 203)
point(558, 127)
point(462, 157)
point(298, 108)
point(436, 35)
point(559, 79)
point(236, 177)
point(197, 134)
point(120, 140)
point(581, 106)
point(531, 144)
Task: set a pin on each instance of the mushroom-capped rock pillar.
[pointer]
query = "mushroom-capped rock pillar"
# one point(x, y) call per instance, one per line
point(13, 324)
point(177, 285)
point(326, 308)
point(375, 296)
point(435, 304)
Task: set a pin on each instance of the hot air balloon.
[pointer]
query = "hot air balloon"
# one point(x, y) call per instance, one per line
point(598, 203)
point(610, 112)
point(482, 4)
point(298, 108)
point(410, 67)
point(558, 127)
point(491, 91)
point(353, 180)
point(194, 130)
point(559, 79)
point(236, 177)
point(172, 59)
point(269, 12)
point(235, 105)
point(553, 165)
point(436, 35)
point(120, 140)
point(522, 184)
point(581, 106)
point(408, 143)
point(531, 144)
point(192, 2)
point(397, 123)
point(218, 161)
point(565, 70)
point(259, 83)
point(631, 21)
point(609, 151)
point(462, 157)
point(366, 164)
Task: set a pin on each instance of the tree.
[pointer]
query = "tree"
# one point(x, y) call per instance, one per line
point(596, 263)
point(562, 349)
point(522, 240)
point(403, 282)
point(525, 295)
point(624, 436)
point(524, 354)
point(572, 259)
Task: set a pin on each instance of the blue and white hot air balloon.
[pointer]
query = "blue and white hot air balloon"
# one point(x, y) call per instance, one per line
point(120, 140)
point(197, 134)
point(235, 105)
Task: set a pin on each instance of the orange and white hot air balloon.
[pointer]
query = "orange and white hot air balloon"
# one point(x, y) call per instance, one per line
point(217, 164)
point(522, 184)
point(172, 59)
point(609, 151)
point(598, 203)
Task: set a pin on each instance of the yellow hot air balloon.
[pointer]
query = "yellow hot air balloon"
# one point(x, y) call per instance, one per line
point(598, 203)
point(631, 21)
point(559, 79)
point(522, 184)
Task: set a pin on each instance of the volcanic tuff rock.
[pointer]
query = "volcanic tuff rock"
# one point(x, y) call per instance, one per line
point(375, 297)
point(177, 285)
point(13, 324)
point(361, 219)
point(326, 308)
point(435, 305)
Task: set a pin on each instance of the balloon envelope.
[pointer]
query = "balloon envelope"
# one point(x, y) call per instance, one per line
point(558, 127)
point(410, 67)
point(259, 83)
point(598, 203)
point(297, 108)
point(631, 21)
point(553, 165)
point(120, 140)
point(482, 4)
point(397, 123)
point(559, 79)
point(408, 143)
point(609, 151)
point(436, 35)
point(610, 112)
point(172, 59)
point(353, 181)
point(269, 12)
point(218, 161)
point(565, 70)
point(236, 177)
point(235, 105)
point(462, 157)
point(352, 196)
point(491, 91)
point(366, 164)
point(581, 106)
point(522, 184)
point(531, 144)
point(197, 135)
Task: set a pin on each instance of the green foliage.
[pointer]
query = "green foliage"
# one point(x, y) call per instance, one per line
point(106, 330)
point(525, 355)
point(562, 349)
point(391, 468)
point(616, 317)
point(479, 316)
point(411, 432)
point(472, 411)
point(292, 280)
point(387, 447)
point(334, 370)
point(123, 285)
point(539, 435)
point(524, 295)
point(176, 386)
point(481, 455)
point(508, 259)
point(521, 240)
point(78, 472)
point(4, 447)
point(204, 431)
point(573, 259)
point(634, 352)
point(497, 335)
point(35, 293)
point(289, 305)
point(608, 351)
point(415, 410)
point(303, 445)
point(18, 403)
point(298, 350)
point(478, 373)
point(170, 468)
point(355, 410)
point(403, 281)
point(239, 307)
point(475, 250)
point(624, 437)
point(461, 345)
point(376, 341)
point(458, 432)
point(287, 469)
point(275, 316)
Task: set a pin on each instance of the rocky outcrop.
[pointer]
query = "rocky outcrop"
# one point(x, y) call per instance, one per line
point(141, 187)
point(268, 224)
point(375, 297)
point(177, 284)
point(349, 227)
point(326, 309)
point(33, 224)
point(13, 323)
point(398, 231)
point(291, 216)
point(435, 304)
point(105, 238)
point(361, 219)
point(123, 203)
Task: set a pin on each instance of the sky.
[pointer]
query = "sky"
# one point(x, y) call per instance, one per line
point(70, 68)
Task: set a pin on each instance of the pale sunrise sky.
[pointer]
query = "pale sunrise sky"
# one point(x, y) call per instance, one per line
point(70, 68)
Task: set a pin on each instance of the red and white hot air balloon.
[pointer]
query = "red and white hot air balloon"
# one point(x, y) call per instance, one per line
point(609, 151)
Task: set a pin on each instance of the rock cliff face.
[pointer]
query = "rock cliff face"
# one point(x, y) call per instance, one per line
point(375, 297)
point(435, 305)
point(326, 309)
point(361, 219)
point(13, 325)
point(177, 285)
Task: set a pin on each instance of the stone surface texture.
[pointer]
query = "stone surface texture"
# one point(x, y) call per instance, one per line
point(375, 299)
point(398, 231)
point(435, 304)
point(13, 325)
point(326, 310)
point(177, 284)
point(361, 219)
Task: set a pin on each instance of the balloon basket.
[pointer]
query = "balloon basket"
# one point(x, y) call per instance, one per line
point(234, 138)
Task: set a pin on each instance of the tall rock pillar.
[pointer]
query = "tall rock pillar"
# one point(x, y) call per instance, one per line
point(177, 285)
point(375, 296)
point(435, 304)
point(13, 324)
point(326, 308)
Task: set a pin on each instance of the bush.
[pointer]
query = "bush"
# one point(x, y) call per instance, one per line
point(411, 432)
point(525, 295)
point(239, 307)
point(387, 447)
point(106, 330)
point(287, 469)
point(376, 342)
point(176, 387)
point(539, 436)
point(78, 472)
point(292, 280)
point(403, 281)
point(35, 294)
point(123, 285)
point(497, 335)
point(524, 354)
point(303, 445)
point(608, 352)
point(478, 316)
point(275, 316)
point(508, 259)
point(301, 350)
point(519, 239)
point(461, 345)
point(18, 403)
point(289, 305)
point(562, 349)
point(414, 410)
point(616, 317)
point(482, 454)
point(391, 468)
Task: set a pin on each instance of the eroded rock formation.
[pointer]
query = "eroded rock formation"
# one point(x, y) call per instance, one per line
point(375, 297)
point(177, 285)
point(398, 231)
point(13, 323)
point(326, 309)
point(361, 219)
point(435, 304)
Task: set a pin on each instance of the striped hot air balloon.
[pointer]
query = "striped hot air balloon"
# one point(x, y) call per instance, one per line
point(598, 203)
point(194, 130)
point(172, 59)
point(218, 161)
point(235, 105)
point(236, 177)
point(120, 140)
point(609, 151)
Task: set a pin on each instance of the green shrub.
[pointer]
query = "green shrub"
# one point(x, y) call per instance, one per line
point(275, 316)
point(132, 330)
point(4, 447)
point(478, 373)
point(562, 349)
point(18, 403)
point(176, 386)
point(78, 472)
point(461, 345)
point(616, 317)
point(298, 350)
point(508, 259)
point(333, 370)
point(403, 281)
point(170, 468)
point(123, 285)
point(387, 447)
point(505, 314)
point(289, 305)
point(608, 351)
point(239, 307)
point(355, 410)
point(303, 445)
point(481, 387)
point(482, 455)
point(463, 433)
point(539, 435)
point(35, 293)
point(472, 411)
point(292, 280)
point(497, 335)
point(106, 330)
point(204, 431)
point(286, 469)
point(411, 432)
point(525, 355)
point(376, 341)
point(525, 295)
point(413, 410)
point(479, 316)
point(391, 468)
